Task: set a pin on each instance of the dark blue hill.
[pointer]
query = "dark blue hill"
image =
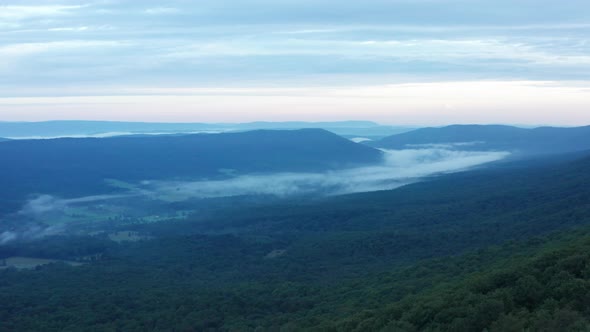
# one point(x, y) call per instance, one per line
point(74, 166)
point(494, 137)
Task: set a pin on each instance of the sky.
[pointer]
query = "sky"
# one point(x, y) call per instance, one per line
point(398, 62)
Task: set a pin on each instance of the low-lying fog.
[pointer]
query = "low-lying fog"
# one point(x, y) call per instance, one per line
point(399, 167)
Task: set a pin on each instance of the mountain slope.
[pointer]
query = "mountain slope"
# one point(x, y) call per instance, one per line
point(494, 137)
point(443, 216)
point(350, 263)
point(79, 166)
point(545, 290)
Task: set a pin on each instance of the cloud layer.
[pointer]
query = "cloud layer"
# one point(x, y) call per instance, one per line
point(43, 204)
point(399, 168)
point(414, 104)
point(99, 48)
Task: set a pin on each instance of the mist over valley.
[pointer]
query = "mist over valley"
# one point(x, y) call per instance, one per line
point(292, 169)
point(282, 166)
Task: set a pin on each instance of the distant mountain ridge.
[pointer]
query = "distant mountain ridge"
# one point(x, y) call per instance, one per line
point(493, 137)
point(72, 166)
point(55, 129)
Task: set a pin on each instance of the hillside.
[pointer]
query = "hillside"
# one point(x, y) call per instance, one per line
point(493, 137)
point(75, 166)
point(473, 250)
point(544, 289)
point(442, 216)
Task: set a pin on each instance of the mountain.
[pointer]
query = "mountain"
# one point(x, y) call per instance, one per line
point(493, 137)
point(464, 252)
point(475, 208)
point(534, 286)
point(56, 129)
point(80, 165)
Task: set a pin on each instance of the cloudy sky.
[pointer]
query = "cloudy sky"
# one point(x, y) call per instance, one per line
point(406, 62)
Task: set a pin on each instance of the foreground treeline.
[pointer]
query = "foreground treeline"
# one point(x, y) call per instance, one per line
point(503, 249)
point(540, 285)
point(549, 291)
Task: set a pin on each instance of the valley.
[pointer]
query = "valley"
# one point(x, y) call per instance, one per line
point(287, 166)
point(451, 222)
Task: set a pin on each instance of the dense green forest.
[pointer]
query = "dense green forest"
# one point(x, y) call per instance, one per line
point(221, 283)
point(503, 248)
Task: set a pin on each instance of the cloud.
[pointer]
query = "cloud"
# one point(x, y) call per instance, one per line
point(28, 59)
point(41, 205)
point(7, 236)
point(115, 134)
point(46, 46)
point(31, 221)
point(44, 204)
point(16, 13)
point(448, 29)
point(399, 167)
point(444, 145)
point(161, 11)
point(76, 29)
point(360, 139)
point(429, 50)
point(62, 46)
point(475, 102)
point(30, 232)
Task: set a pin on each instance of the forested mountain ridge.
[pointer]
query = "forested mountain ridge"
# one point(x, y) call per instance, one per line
point(61, 128)
point(489, 192)
point(79, 166)
point(193, 155)
point(362, 262)
point(493, 137)
point(543, 289)
point(70, 128)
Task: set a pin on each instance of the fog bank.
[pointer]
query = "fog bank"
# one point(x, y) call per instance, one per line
point(398, 168)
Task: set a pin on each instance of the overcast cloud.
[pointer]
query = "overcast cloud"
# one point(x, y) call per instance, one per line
point(104, 48)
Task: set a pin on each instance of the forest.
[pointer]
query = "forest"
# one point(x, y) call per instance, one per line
point(502, 248)
point(294, 165)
